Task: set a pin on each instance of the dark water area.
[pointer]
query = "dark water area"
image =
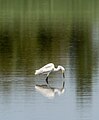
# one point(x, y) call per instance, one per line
point(34, 33)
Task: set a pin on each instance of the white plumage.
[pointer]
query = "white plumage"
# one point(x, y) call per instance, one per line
point(47, 69)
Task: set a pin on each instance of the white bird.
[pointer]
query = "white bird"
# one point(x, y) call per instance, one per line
point(47, 69)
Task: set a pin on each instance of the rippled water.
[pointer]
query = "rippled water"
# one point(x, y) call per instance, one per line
point(35, 33)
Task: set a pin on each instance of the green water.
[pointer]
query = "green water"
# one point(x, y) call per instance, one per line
point(36, 32)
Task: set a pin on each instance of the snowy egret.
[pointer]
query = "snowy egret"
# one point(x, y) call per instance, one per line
point(47, 69)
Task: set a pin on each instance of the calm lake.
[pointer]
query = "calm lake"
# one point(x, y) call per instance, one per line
point(34, 33)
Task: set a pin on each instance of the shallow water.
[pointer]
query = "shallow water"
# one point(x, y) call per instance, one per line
point(36, 33)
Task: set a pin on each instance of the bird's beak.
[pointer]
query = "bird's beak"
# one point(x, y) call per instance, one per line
point(63, 75)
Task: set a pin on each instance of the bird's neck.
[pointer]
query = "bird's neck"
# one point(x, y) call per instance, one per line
point(57, 69)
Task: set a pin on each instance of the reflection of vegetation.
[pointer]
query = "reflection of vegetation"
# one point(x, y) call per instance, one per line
point(44, 39)
point(82, 51)
point(22, 46)
point(6, 49)
point(31, 8)
point(35, 31)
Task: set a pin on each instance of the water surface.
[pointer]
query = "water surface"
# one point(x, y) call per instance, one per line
point(35, 33)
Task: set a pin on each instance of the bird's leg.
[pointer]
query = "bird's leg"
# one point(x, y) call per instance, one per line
point(46, 79)
point(63, 84)
point(63, 75)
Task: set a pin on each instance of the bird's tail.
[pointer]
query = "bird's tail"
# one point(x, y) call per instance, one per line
point(36, 72)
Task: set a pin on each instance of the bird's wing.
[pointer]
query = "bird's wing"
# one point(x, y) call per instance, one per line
point(50, 65)
point(45, 69)
point(48, 68)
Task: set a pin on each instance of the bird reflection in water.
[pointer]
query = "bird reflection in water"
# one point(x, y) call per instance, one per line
point(50, 92)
